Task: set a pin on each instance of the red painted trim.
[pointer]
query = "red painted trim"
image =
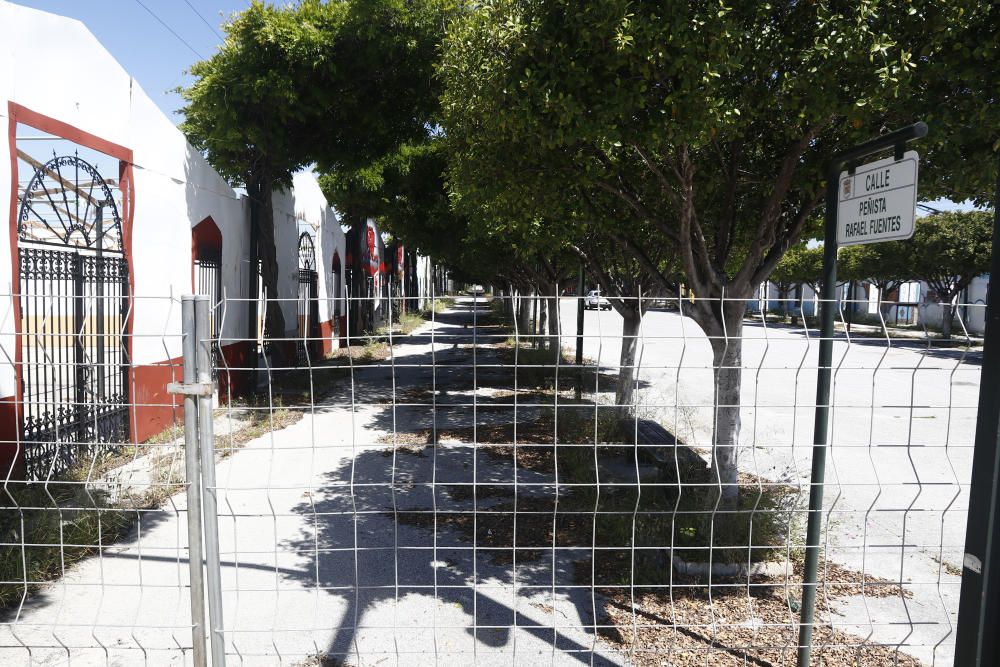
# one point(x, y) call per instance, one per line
point(327, 334)
point(125, 183)
point(19, 114)
point(15, 435)
point(206, 243)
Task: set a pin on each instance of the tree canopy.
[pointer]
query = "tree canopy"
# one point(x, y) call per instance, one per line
point(709, 124)
point(801, 264)
point(885, 265)
point(338, 84)
point(947, 251)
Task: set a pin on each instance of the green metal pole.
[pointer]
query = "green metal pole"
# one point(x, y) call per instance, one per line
point(828, 294)
point(977, 641)
point(822, 420)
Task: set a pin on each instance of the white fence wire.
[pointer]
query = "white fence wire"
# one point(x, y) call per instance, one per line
point(451, 487)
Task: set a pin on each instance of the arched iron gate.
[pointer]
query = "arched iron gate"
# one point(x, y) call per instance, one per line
point(308, 304)
point(73, 305)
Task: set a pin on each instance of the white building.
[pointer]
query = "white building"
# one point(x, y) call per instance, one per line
point(112, 216)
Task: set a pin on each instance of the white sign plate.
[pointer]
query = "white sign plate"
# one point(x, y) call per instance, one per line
point(878, 202)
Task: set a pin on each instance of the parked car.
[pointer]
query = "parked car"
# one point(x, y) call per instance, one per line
point(595, 301)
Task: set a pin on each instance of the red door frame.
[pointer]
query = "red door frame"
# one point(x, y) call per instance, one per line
point(16, 115)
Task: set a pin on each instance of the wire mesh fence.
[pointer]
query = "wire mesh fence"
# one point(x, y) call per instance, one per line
point(451, 486)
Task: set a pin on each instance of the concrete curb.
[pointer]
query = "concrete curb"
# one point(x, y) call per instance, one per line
point(766, 568)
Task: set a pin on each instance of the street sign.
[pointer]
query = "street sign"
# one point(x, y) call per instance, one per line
point(878, 201)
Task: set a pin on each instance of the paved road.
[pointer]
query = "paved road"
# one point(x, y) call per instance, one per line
point(900, 459)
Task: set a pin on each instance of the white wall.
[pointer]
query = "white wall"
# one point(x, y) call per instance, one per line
point(424, 282)
point(174, 186)
point(314, 214)
point(970, 307)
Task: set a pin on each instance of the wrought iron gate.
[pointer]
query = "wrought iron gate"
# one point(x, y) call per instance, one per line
point(308, 310)
point(208, 280)
point(73, 305)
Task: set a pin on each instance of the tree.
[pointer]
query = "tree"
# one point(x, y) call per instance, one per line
point(544, 224)
point(957, 92)
point(710, 123)
point(884, 265)
point(947, 251)
point(800, 265)
point(247, 113)
point(339, 84)
point(629, 288)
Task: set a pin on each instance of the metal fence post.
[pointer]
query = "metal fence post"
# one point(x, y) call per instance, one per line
point(204, 342)
point(814, 526)
point(977, 640)
point(193, 486)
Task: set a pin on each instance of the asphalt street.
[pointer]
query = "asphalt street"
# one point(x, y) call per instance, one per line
point(900, 457)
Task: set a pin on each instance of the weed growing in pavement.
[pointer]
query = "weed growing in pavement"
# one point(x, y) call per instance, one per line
point(611, 499)
point(437, 305)
point(46, 527)
point(537, 368)
point(409, 322)
point(264, 416)
point(374, 349)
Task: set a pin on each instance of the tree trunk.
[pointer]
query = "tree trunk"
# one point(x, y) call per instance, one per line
point(534, 320)
point(555, 342)
point(783, 301)
point(625, 387)
point(523, 313)
point(727, 357)
point(947, 313)
point(274, 325)
point(507, 295)
point(724, 327)
point(356, 250)
point(540, 324)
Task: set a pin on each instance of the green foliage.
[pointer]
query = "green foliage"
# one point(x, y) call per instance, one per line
point(949, 249)
point(886, 265)
point(59, 523)
point(956, 91)
point(339, 84)
point(700, 131)
point(800, 264)
point(708, 123)
point(336, 83)
point(406, 192)
point(246, 109)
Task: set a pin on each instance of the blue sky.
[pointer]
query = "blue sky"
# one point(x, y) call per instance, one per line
point(144, 47)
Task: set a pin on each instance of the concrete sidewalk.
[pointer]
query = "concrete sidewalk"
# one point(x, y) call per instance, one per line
point(316, 561)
